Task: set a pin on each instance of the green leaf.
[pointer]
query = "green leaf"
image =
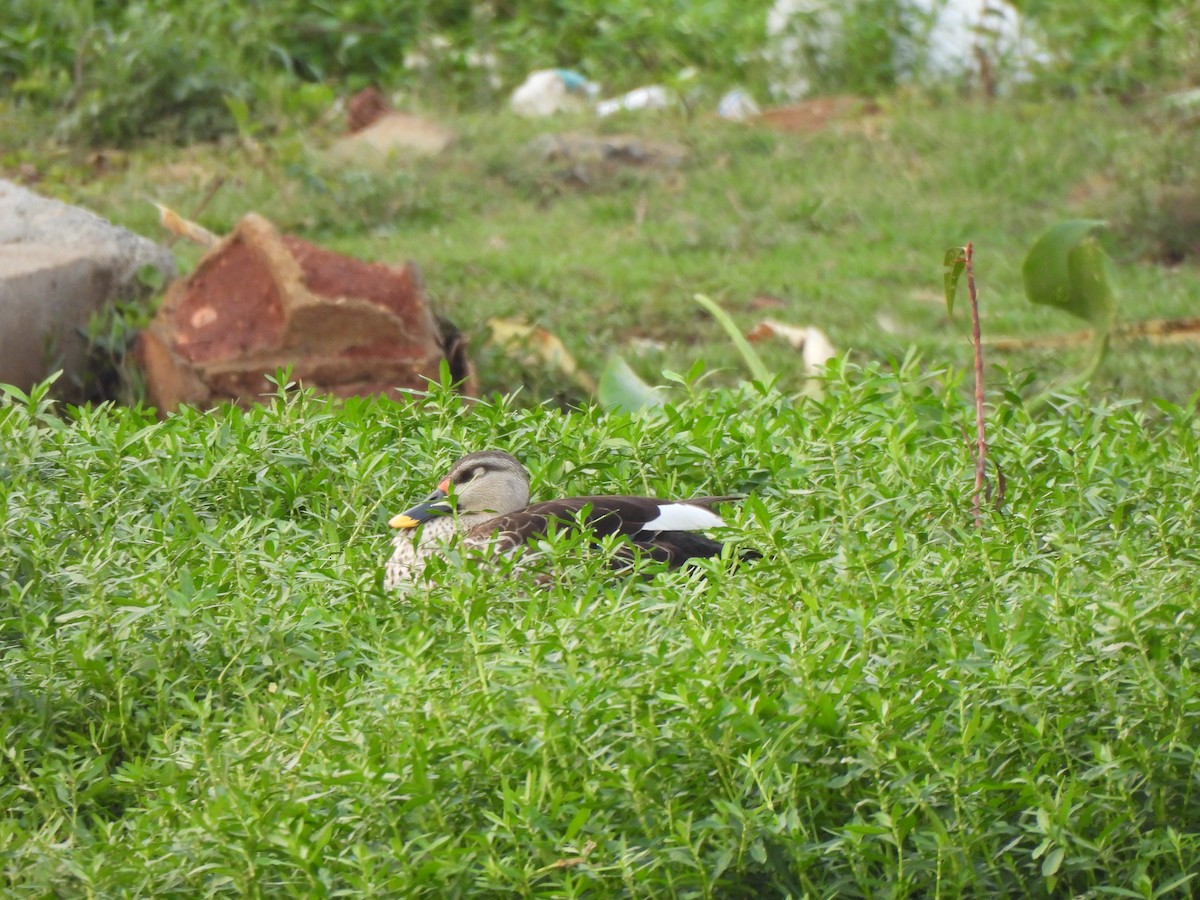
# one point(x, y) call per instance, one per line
point(955, 262)
point(1068, 269)
point(621, 388)
point(577, 822)
point(758, 369)
point(1091, 273)
point(240, 111)
point(1053, 861)
point(1174, 884)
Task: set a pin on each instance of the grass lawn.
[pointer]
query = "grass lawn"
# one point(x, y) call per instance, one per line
point(206, 689)
point(846, 227)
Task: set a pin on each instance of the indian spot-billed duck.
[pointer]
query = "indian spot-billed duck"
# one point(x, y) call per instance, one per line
point(485, 498)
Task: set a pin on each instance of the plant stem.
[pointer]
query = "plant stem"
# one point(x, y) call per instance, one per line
point(980, 435)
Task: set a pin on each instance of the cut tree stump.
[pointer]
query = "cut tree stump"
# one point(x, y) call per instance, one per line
point(260, 301)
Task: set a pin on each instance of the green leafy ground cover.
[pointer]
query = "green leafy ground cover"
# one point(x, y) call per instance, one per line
point(206, 689)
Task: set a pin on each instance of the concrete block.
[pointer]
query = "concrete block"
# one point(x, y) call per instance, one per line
point(59, 265)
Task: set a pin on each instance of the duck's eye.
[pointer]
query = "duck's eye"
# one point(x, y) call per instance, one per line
point(470, 475)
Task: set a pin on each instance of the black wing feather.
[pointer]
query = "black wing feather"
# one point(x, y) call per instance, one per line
point(606, 515)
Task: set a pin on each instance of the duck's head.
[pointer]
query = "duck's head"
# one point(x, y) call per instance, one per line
point(489, 481)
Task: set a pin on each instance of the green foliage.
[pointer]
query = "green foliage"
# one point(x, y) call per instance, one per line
point(126, 72)
point(1068, 269)
point(1111, 46)
point(849, 47)
point(38, 45)
point(955, 262)
point(754, 363)
point(620, 388)
point(110, 372)
point(1120, 46)
point(630, 42)
point(206, 690)
point(160, 74)
point(367, 38)
point(123, 72)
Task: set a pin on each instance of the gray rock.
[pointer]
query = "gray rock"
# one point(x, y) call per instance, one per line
point(59, 265)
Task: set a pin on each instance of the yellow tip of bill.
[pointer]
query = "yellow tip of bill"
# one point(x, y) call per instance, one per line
point(403, 521)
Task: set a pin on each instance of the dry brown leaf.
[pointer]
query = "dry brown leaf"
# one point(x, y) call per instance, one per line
point(640, 346)
point(572, 861)
point(811, 341)
point(1156, 331)
point(795, 335)
point(761, 302)
point(534, 345)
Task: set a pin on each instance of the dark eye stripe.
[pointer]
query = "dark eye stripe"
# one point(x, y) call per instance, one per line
point(470, 475)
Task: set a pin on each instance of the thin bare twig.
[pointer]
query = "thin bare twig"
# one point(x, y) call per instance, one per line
point(213, 186)
point(980, 434)
point(1155, 331)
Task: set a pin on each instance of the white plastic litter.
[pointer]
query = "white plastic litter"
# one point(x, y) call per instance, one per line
point(550, 91)
point(653, 96)
point(737, 105)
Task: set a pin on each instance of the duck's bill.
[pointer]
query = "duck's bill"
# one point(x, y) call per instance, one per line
point(434, 505)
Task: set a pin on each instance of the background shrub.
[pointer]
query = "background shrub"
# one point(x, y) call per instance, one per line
point(118, 72)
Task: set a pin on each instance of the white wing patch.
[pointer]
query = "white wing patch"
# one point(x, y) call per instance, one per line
point(683, 517)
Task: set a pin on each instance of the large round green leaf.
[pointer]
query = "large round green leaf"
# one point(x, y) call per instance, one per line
point(1068, 269)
